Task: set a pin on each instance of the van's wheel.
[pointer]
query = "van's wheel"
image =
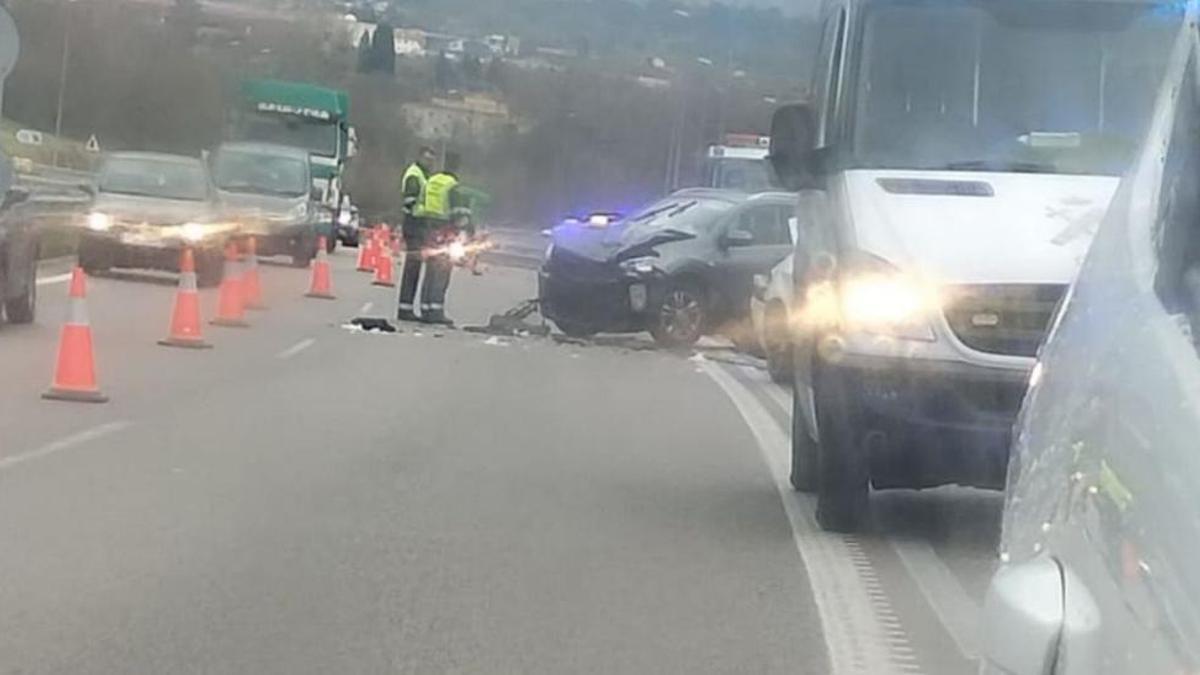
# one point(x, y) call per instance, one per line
point(302, 258)
point(572, 329)
point(331, 243)
point(91, 260)
point(804, 448)
point(681, 316)
point(778, 345)
point(23, 308)
point(842, 466)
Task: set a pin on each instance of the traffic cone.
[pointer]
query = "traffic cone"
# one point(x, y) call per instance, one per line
point(384, 269)
point(75, 372)
point(185, 320)
point(366, 252)
point(322, 283)
point(251, 285)
point(231, 310)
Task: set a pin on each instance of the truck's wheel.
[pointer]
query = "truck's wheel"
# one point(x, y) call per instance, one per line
point(23, 308)
point(302, 257)
point(681, 316)
point(842, 466)
point(804, 448)
point(575, 330)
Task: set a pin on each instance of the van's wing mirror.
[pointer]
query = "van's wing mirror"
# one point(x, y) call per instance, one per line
point(1023, 618)
point(793, 141)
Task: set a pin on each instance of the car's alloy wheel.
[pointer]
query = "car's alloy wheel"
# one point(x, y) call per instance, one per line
point(681, 316)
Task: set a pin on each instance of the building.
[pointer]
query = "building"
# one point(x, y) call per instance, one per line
point(474, 117)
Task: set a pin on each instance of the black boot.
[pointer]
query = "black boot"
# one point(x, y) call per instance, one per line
point(437, 319)
point(406, 315)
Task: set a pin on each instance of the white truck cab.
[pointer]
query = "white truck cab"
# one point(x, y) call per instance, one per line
point(952, 167)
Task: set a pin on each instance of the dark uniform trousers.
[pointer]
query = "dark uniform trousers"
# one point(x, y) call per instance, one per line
point(414, 243)
point(437, 268)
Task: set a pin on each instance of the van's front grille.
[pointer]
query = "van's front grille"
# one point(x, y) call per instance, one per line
point(1010, 319)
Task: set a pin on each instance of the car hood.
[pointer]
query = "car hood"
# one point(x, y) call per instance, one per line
point(152, 210)
point(615, 242)
point(976, 227)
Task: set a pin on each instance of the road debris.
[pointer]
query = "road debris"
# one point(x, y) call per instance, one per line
point(370, 325)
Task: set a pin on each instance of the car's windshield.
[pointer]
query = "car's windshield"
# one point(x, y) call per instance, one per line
point(316, 136)
point(1045, 87)
point(144, 177)
point(240, 171)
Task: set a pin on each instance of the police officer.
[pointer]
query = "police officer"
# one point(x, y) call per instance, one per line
point(412, 186)
point(445, 209)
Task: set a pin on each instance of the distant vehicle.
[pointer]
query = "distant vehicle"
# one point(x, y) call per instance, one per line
point(681, 268)
point(266, 189)
point(20, 244)
point(147, 207)
point(349, 224)
point(945, 205)
point(738, 163)
point(307, 116)
point(771, 316)
point(1102, 521)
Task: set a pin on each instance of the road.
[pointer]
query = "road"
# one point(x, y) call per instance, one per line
point(308, 499)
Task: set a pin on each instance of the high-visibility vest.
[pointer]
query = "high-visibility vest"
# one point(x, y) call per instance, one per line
point(435, 198)
point(414, 169)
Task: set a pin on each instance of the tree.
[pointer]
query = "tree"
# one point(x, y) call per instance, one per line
point(365, 52)
point(383, 50)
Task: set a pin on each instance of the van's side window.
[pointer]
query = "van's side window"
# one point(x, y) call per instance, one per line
point(1177, 280)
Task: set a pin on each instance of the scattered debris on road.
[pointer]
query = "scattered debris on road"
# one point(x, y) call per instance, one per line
point(370, 325)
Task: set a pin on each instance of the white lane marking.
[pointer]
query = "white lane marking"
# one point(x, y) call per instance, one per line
point(855, 638)
point(67, 443)
point(958, 612)
point(296, 348)
point(56, 279)
point(367, 306)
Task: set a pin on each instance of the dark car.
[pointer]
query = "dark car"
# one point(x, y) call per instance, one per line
point(265, 189)
point(681, 268)
point(147, 208)
point(19, 246)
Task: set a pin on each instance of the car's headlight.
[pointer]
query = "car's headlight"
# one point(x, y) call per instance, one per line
point(99, 222)
point(889, 304)
point(193, 232)
point(640, 266)
point(299, 211)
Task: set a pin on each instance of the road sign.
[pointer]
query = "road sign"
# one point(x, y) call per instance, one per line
point(29, 137)
point(93, 145)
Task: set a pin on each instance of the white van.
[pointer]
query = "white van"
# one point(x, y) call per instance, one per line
point(952, 167)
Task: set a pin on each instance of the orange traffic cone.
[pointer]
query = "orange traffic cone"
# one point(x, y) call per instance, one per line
point(251, 285)
point(231, 310)
point(322, 283)
point(75, 373)
point(185, 320)
point(384, 269)
point(366, 251)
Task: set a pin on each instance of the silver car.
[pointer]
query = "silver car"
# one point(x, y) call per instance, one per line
point(1101, 535)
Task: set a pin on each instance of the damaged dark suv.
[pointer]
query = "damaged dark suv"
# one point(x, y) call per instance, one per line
point(681, 268)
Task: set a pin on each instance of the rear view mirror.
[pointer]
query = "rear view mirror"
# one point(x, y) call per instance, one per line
point(737, 238)
point(761, 282)
point(793, 143)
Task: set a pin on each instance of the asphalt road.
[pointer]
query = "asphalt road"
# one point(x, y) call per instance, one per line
point(308, 499)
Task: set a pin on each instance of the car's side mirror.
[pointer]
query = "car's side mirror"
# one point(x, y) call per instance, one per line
point(761, 282)
point(793, 154)
point(1023, 618)
point(736, 237)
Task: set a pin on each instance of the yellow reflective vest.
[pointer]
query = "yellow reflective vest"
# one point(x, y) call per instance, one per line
point(435, 198)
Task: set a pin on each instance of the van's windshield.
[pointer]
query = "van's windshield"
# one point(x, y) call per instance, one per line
point(1045, 87)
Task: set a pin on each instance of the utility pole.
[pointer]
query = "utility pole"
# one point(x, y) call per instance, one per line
point(62, 79)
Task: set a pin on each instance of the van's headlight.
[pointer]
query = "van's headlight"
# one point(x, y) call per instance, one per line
point(640, 266)
point(888, 303)
point(99, 222)
point(193, 232)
